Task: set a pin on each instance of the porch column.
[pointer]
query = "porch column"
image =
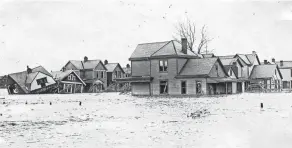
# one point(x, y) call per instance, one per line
point(64, 86)
point(71, 88)
point(243, 87)
point(226, 88)
point(74, 88)
point(81, 88)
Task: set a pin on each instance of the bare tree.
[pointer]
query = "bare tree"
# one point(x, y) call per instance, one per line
point(188, 30)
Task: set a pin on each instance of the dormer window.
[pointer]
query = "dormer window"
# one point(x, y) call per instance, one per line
point(163, 65)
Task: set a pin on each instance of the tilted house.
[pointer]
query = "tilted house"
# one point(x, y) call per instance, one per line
point(286, 71)
point(68, 81)
point(36, 80)
point(170, 68)
point(266, 77)
point(92, 72)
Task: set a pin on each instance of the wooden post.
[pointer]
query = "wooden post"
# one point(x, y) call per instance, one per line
point(64, 86)
point(81, 88)
point(71, 88)
point(74, 87)
point(226, 89)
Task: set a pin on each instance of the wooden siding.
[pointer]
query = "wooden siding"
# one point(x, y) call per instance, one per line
point(181, 63)
point(140, 88)
point(140, 68)
point(40, 75)
point(286, 73)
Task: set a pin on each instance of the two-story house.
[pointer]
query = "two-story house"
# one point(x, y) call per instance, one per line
point(92, 72)
point(68, 81)
point(114, 71)
point(286, 71)
point(170, 68)
point(35, 80)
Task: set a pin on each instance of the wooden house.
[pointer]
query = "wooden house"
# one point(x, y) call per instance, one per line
point(114, 71)
point(286, 71)
point(266, 77)
point(170, 68)
point(92, 72)
point(68, 81)
point(36, 80)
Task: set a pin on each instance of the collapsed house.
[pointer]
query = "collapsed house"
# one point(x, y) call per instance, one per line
point(68, 82)
point(32, 81)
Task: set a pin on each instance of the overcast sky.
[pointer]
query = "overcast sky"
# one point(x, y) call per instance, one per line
point(51, 32)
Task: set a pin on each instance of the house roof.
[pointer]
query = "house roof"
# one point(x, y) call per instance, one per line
point(156, 49)
point(127, 70)
point(60, 75)
point(90, 64)
point(264, 71)
point(286, 64)
point(208, 55)
point(111, 66)
point(198, 67)
point(233, 68)
point(22, 78)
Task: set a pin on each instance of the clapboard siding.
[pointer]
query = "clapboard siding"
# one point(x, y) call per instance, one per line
point(140, 89)
point(140, 68)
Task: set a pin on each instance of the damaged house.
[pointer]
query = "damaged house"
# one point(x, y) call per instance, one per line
point(32, 81)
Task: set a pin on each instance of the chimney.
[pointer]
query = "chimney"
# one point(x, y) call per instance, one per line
point(28, 70)
point(281, 63)
point(128, 66)
point(85, 59)
point(254, 52)
point(265, 62)
point(184, 45)
point(234, 63)
point(63, 69)
point(273, 60)
point(105, 62)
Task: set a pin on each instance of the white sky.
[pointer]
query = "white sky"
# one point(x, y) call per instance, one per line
point(51, 32)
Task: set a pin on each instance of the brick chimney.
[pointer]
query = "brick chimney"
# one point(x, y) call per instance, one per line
point(105, 62)
point(265, 62)
point(273, 60)
point(128, 66)
point(184, 45)
point(234, 63)
point(254, 52)
point(281, 63)
point(28, 70)
point(85, 59)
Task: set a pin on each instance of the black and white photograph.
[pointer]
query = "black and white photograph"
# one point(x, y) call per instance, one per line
point(145, 74)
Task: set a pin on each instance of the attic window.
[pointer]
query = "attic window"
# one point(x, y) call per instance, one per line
point(71, 77)
point(163, 65)
point(230, 73)
point(42, 82)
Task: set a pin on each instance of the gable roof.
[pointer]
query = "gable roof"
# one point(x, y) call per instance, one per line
point(264, 71)
point(199, 67)
point(286, 64)
point(127, 70)
point(60, 75)
point(157, 49)
point(233, 68)
point(23, 78)
point(80, 65)
point(112, 66)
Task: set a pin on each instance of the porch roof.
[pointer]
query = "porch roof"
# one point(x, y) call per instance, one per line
point(144, 79)
point(220, 80)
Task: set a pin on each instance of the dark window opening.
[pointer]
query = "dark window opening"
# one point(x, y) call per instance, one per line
point(42, 82)
point(230, 72)
point(183, 87)
point(163, 65)
point(163, 87)
point(198, 87)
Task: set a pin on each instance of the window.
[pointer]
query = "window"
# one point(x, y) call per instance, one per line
point(102, 74)
point(198, 87)
point(163, 87)
point(183, 87)
point(230, 72)
point(97, 74)
point(42, 82)
point(163, 65)
point(275, 72)
point(116, 74)
point(71, 77)
point(286, 84)
point(291, 72)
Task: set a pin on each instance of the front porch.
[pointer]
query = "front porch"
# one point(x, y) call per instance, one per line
point(224, 86)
